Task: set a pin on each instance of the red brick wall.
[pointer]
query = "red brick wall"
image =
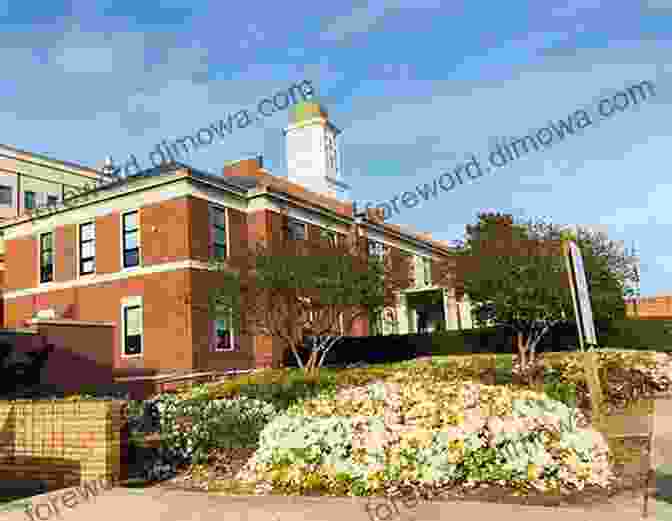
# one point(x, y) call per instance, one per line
point(256, 227)
point(21, 263)
point(108, 243)
point(401, 265)
point(65, 253)
point(238, 236)
point(164, 231)
point(441, 270)
point(166, 341)
point(202, 284)
point(199, 222)
point(650, 307)
point(83, 355)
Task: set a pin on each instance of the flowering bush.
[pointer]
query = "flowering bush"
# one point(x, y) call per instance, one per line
point(191, 426)
point(361, 440)
point(625, 375)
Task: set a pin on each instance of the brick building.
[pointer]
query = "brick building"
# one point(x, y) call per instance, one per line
point(649, 307)
point(120, 275)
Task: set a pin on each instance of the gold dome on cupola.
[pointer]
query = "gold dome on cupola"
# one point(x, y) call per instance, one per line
point(307, 110)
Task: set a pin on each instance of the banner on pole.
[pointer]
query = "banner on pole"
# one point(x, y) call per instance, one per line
point(581, 294)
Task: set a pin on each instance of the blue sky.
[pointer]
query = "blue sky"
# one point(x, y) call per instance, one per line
point(416, 86)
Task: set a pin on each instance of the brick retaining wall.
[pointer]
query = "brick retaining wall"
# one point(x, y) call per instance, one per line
point(62, 443)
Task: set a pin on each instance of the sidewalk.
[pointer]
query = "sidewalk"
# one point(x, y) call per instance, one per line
point(154, 504)
point(157, 504)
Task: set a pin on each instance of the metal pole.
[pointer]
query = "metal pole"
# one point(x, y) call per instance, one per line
point(651, 471)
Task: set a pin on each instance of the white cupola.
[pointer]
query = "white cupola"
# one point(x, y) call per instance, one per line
point(313, 158)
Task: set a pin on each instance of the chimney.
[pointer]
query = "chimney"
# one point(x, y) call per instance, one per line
point(244, 167)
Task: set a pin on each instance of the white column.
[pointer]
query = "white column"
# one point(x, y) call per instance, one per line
point(402, 315)
point(450, 310)
point(412, 320)
point(466, 313)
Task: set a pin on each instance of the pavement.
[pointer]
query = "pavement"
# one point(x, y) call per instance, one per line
point(157, 503)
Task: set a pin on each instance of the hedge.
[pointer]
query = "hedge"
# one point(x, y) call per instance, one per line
point(655, 335)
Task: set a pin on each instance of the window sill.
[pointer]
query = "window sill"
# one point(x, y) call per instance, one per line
point(131, 356)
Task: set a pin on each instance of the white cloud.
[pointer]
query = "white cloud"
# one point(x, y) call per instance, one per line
point(364, 19)
point(573, 7)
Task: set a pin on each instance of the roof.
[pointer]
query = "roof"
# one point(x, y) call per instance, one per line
point(260, 179)
point(306, 110)
point(47, 158)
point(240, 186)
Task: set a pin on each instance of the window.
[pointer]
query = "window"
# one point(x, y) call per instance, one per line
point(131, 245)
point(377, 249)
point(29, 200)
point(5, 195)
point(223, 333)
point(46, 257)
point(52, 200)
point(132, 340)
point(296, 230)
point(329, 237)
point(87, 248)
point(218, 233)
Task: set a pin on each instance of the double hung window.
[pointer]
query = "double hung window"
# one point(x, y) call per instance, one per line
point(46, 257)
point(132, 340)
point(218, 232)
point(87, 248)
point(131, 240)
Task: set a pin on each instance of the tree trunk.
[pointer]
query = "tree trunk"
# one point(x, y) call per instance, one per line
point(522, 351)
point(298, 358)
point(310, 365)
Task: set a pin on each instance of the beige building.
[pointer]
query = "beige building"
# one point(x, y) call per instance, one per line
point(29, 181)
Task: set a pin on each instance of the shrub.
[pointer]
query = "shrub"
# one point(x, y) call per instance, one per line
point(625, 376)
point(280, 387)
point(655, 335)
point(367, 438)
point(191, 428)
point(556, 389)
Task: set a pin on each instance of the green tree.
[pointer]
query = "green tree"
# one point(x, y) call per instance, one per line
point(609, 268)
point(514, 280)
point(305, 293)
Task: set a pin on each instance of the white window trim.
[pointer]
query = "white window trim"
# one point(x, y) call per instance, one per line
point(128, 302)
point(78, 253)
point(39, 258)
point(213, 340)
point(121, 240)
point(226, 223)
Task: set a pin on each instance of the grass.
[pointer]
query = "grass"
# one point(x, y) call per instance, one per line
point(664, 483)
